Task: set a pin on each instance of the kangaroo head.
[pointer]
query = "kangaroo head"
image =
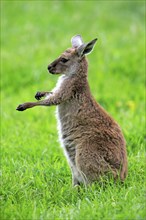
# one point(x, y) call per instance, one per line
point(73, 59)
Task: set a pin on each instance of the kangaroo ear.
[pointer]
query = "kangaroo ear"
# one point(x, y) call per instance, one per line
point(76, 41)
point(86, 48)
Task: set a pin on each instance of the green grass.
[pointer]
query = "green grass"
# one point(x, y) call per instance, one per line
point(35, 177)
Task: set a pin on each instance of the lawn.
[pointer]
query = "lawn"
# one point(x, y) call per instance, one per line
point(35, 177)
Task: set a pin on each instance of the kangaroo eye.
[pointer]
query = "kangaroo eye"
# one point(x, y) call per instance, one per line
point(63, 60)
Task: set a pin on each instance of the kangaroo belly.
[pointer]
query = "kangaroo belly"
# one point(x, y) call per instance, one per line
point(66, 132)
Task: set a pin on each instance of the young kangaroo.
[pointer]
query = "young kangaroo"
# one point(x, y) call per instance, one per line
point(93, 142)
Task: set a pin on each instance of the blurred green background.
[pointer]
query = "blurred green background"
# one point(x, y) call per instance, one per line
point(33, 34)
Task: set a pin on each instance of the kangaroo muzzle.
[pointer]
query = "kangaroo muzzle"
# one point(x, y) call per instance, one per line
point(50, 69)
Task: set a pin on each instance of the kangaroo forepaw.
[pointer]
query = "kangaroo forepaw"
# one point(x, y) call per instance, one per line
point(39, 95)
point(21, 107)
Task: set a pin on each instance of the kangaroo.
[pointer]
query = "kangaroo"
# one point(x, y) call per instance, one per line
point(93, 142)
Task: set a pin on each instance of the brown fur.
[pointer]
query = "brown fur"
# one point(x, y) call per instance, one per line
point(93, 142)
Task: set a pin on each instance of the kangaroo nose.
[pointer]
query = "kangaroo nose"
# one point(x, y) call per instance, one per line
point(49, 67)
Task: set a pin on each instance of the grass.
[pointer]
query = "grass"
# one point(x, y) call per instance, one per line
point(35, 177)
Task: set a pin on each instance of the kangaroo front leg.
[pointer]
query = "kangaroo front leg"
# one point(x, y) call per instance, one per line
point(39, 95)
point(52, 100)
point(26, 105)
